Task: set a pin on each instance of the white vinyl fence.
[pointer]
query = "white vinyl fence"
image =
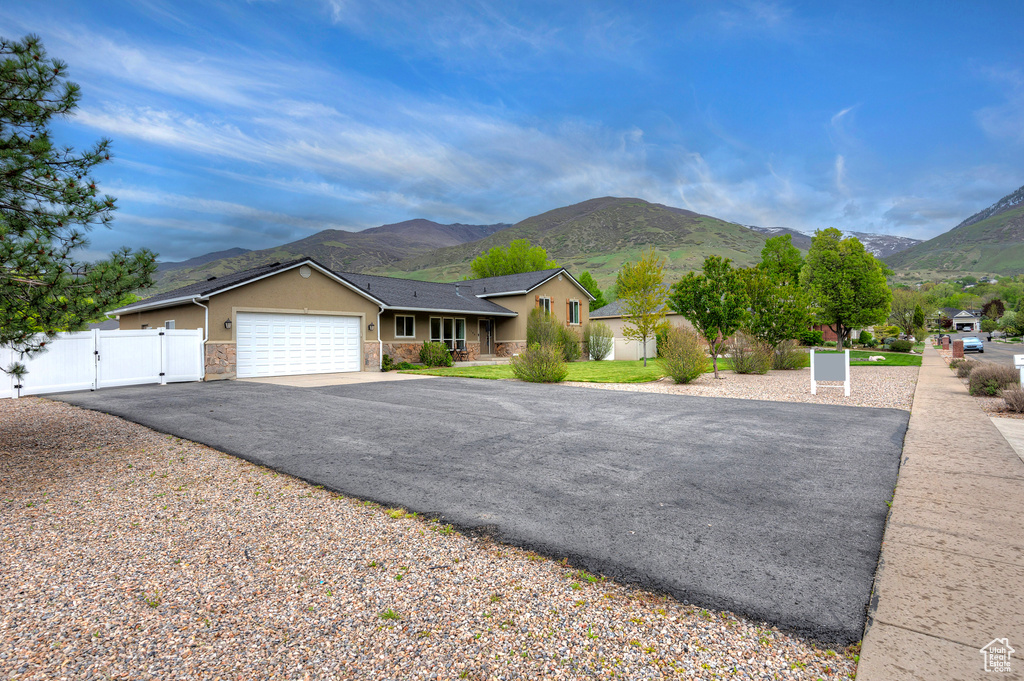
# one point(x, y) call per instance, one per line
point(89, 360)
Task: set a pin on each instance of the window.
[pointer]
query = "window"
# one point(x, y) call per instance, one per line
point(144, 326)
point(544, 303)
point(451, 332)
point(405, 326)
point(574, 312)
point(169, 324)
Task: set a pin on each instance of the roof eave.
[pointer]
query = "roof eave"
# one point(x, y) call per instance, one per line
point(481, 313)
point(170, 302)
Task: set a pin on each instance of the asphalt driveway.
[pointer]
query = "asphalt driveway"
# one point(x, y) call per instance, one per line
point(772, 510)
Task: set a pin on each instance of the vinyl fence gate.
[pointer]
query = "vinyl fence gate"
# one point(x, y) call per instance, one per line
point(90, 360)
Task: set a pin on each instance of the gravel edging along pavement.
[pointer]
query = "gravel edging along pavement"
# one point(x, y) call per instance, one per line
point(128, 553)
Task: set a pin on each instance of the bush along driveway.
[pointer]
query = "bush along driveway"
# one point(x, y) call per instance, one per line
point(767, 509)
point(636, 372)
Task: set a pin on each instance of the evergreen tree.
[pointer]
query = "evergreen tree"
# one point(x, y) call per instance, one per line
point(47, 202)
point(588, 282)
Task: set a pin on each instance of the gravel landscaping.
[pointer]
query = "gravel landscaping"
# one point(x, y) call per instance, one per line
point(131, 554)
point(891, 387)
point(993, 406)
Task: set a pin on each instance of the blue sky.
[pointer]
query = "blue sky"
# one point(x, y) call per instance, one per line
point(255, 123)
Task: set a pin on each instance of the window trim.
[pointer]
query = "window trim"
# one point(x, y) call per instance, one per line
point(454, 337)
point(405, 316)
point(574, 304)
point(544, 303)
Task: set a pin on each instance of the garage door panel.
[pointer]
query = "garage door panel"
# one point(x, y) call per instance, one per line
point(286, 345)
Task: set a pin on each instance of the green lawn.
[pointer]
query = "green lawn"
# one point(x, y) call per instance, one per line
point(584, 372)
point(634, 372)
point(892, 359)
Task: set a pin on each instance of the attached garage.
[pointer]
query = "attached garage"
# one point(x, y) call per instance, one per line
point(291, 344)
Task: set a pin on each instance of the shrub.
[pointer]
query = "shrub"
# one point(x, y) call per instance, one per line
point(569, 342)
point(991, 379)
point(542, 328)
point(901, 346)
point(828, 344)
point(865, 338)
point(787, 355)
point(386, 363)
point(683, 356)
point(661, 335)
point(812, 337)
point(749, 356)
point(540, 364)
point(964, 367)
point(1014, 398)
point(598, 338)
point(886, 331)
point(435, 354)
point(405, 366)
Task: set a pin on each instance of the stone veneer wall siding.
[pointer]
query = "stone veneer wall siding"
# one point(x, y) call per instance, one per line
point(508, 349)
point(220, 361)
point(410, 352)
point(371, 356)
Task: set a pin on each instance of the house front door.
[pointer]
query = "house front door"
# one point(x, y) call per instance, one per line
point(486, 338)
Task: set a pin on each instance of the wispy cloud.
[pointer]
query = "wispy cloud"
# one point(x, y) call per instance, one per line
point(1005, 122)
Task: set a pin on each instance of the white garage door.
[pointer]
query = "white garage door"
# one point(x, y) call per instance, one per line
point(290, 344)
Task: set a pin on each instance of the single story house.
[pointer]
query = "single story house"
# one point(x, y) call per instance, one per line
point(963, 320)
point(300, 317)
point(623, 348)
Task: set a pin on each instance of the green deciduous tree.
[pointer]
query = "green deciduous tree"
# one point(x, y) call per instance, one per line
point(903, 309)
point(777, 311)
point(781, 260)
point(588, 282)
point(519, 256)
point(846, 284)
point(715, 302)
point(641, 289)
point(48, 201)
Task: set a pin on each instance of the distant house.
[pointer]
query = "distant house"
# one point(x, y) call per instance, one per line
point(624, 348)
point(962, 320)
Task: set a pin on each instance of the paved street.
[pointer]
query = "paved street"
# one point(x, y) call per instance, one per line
point(1001, 353)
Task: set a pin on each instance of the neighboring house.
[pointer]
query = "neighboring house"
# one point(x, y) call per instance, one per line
point(105, 325)
point(963, 320)
point(624, 348)
point(301, 318)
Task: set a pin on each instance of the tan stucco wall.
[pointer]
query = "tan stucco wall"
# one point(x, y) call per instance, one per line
point(281, 293)
point(616, 323)
point(560, 289)
point(187, 316)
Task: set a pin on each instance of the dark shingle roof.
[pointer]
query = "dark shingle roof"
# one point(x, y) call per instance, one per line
point(412, 294)
point(510, 283)
point(395, 293)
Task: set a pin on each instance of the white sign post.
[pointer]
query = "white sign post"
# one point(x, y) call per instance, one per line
point(1018, 362)
point(831, 366)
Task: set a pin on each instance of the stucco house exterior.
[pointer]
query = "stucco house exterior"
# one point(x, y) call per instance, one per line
point(963, 320)
point(300, 317)
point(624, 348)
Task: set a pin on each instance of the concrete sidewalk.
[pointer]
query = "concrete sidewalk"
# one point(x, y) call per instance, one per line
point(951, 574)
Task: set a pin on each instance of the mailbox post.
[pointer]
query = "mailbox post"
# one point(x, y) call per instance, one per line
point(1018, 362)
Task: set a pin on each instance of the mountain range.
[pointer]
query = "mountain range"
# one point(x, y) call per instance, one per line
point(601, 234)
point(989, 242)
